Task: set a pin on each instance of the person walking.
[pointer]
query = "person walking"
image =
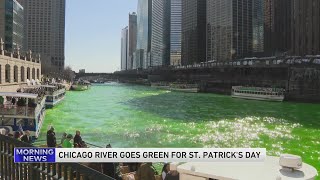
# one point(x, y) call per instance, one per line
point(51, 138)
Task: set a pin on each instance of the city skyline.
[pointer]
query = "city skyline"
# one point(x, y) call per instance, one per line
point(93, 33)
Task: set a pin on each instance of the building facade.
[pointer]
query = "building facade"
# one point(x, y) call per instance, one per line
point(278, 27)
point(12, 24)
point(175, 32)
point(193, 31)
point(132, 39)
point(144, 20)
point(159, 33)
point(45, 31)
point(306, 27)
point(235, 29)
point(16, 69)
point(124, 49)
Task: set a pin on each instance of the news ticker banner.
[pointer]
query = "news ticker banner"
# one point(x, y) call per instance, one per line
point(136, 155)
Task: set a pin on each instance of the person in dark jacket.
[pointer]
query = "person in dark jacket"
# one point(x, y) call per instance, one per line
point(109, 169)
point(51, 138)
point(172, 175)
point(26, 138)
point(77, 140)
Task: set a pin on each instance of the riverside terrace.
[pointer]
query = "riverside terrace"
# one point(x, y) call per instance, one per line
point(16, 69)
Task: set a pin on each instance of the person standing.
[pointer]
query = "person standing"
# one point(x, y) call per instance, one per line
point(77, 140)
point(146, 172)
point(64, 137)
point(26, 137)
point(51, 138)
point(165, 170)
point(66, 143)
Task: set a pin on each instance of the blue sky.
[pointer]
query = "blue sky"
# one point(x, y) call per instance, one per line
point(93, 33)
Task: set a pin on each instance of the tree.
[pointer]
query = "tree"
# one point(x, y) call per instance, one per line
point(68, 74)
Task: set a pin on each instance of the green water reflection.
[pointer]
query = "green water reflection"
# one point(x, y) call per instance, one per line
point(138, 116)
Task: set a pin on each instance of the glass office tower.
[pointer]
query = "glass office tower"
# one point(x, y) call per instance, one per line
point(12, 24)
point(193, 39)
point(175, 32)
point(160, 41)
point(235, 29)
point(144, 32)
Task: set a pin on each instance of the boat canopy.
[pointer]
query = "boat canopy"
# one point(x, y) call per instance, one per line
point(19, 95)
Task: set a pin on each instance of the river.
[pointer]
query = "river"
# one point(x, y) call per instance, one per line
point(139, 116)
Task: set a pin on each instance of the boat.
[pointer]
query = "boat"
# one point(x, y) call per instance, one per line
point(80, 86)
point(258, 93)
point(54, 94)
point(160, 85)
point(26, 114)
point(271, 168)
point(187, 88)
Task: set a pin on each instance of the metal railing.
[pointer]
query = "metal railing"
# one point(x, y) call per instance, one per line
point(34, 171)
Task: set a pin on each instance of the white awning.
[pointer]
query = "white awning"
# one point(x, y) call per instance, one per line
point(21, 95)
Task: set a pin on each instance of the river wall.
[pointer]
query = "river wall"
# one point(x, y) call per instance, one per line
point(301, 83)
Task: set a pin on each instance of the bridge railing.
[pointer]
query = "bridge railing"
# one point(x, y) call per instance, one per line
point(60, 171)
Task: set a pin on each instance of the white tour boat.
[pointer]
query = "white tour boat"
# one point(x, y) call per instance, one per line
point(258, 93)
point(54, 94)
point(22, 111)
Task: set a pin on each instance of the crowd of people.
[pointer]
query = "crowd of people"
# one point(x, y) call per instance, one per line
point(65, 140)
point(24, 136)
point(141, 171)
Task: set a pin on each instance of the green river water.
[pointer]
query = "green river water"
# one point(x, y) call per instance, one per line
point(139, 116)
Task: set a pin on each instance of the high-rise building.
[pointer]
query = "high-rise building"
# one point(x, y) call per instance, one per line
point(144, 32)
point(159, 33)
point(124, 49)
point(12, 24)
point(175, 32)
point(235, 29)
point(277, 27)
point(258, 17)
point(45, 31)
point(193, 31)
point(306, 27)
point(132, 39)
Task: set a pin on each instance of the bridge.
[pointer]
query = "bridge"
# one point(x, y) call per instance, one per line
point(300, 76)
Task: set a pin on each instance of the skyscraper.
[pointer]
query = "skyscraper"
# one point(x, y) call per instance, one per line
point(306, 27)
point(159, 33)
point(175, 31)
point(132, 39)
point(144, 33)
point(45, 31)
point(11, 24)
point(124, 49)
point(235, 29)
point(277, 27)
point(193, 31)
